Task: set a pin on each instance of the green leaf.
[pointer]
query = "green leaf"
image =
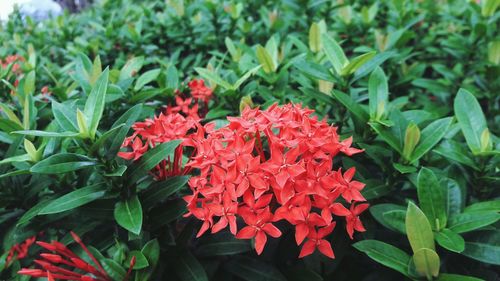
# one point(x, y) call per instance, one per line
point(387, 136)
point(489, 7)
point(368, 67)
point(33, 212)
point(456, 277)
point(128, 214)
point(334, 53)
point(418, 229)
point(450, 240)
point(432, 198)
point(172, 77)
point(486, 206)
point(65, 116)
point(114, 269)
point(188, 268)
point(396, 219)
point(253, 270)
point(160, 191)
point(74, 199)
point(455, 151)
point(430, 136)
point(378, 211)
point(151, 158)
point(315, 38)
point(128, 118)
point(94, 107)
point(29, 84)
point(356, 63)
point(214, 77)
point(385, 254)
point(351, 105)
point(426, 263)
point(243, 78)
point(140, 260)
point(146, 78)
point(466, 222)
point(45, 134)
point(152, 253)
point(470, 118)
point(10, 114)
point(8, 126)
point(378, 93)
point(17, 158)
point(265, 59)
point(131, 68)
point(484, 247)
point(62, 163)
point(412, 137)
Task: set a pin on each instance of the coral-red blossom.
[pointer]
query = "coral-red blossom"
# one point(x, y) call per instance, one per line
point(271, 165)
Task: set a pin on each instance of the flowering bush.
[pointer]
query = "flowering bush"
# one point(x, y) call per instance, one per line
point(271, 165)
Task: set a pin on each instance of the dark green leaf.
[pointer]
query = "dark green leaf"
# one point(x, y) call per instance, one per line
point(432, 198)
point(74, 199)
point(62, 163)
point(188, 268)
point(385, 254)
point(151, 158)
point(471, 221)
point(160, 191)
point(253, 270)
point(128, 214)
point(450, 240)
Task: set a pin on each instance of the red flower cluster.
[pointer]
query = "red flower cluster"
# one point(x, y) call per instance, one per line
point(271, 165)
point(66, 265)
point(178, 122)
point(20, 250)
point(12, 59)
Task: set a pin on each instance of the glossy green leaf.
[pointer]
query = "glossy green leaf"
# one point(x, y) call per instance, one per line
point(128, 118)
point(161, 190)
point(351, 105)
point(334, 53)
point(466, 222)
point(378, 94)
point(45, 134)
point(65, 116)
point(113, 269)
point(140, 260)
point(470, 118)
point(450, 240)
point(418, 229)
point(385, 254)
point(94, 107)
point(484, 247)
point(14, 159)
point(432, 198)
point(128, 214)
point(212, 76)
point(74, 199)
point(131, 68)
point(146, 78)
point(455, 151)
point(62, 163)
point(33, 212)
point(430, 136)
point(485, 206)
point(152, 253)
point(396, 219)
point(356, 63)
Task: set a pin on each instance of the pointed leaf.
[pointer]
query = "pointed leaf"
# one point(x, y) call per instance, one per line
point(128, 214)
point(385, 254)
point(74, 199)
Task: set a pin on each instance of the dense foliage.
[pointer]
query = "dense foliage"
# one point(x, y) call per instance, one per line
point(242, 140)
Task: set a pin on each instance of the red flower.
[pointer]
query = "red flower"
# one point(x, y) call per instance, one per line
point(20, 251)
point(259, 226)
point(315, 240)
point(269, 165)
point(199, 90)
point(351, 216)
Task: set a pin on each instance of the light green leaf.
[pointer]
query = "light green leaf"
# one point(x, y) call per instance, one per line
point(131, 68)
point(418, 229)
point(265, 59)
point(212, 76)
point(45, 134)
point(426, 263)
point(378, 93)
